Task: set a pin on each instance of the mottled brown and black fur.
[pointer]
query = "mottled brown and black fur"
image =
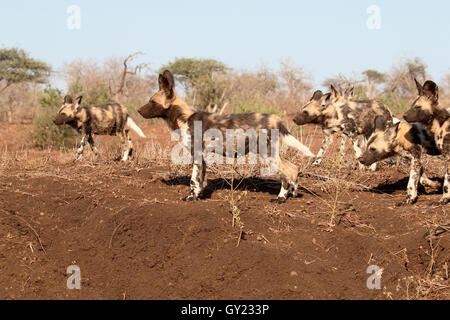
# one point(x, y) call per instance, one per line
point(109, 119)
point(167, 105)
point(435, 119)
point(340, 113)
point(313, 113)
point(426, 131)
point(404, 139)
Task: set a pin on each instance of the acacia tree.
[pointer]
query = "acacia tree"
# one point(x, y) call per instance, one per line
point(203, 80)
point(17, 67)
point(373, 78)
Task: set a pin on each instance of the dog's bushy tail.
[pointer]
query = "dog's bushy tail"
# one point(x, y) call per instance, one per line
point(134, 126)
point(291, 141)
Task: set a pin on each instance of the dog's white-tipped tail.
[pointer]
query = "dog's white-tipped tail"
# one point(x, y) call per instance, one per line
point(292, 142)
point(134, 126)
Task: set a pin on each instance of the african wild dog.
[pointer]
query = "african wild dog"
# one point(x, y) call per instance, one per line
point(426, 110)
point(435, 120)
point(109, 119)
point(312, 113)
point(339, 113)
point(178, 115)
point(408, 140)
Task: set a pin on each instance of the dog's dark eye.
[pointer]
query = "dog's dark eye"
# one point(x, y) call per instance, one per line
point(372, 149)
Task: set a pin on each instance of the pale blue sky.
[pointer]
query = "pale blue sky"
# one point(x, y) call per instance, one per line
point(323, 37)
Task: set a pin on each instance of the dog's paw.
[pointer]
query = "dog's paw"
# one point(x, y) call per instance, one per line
point(190, 197)
point(408, 200)
point(279, 200)
point(441, 202)
point(432, 185)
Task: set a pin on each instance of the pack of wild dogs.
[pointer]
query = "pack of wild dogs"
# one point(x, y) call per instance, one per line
point(375, 134)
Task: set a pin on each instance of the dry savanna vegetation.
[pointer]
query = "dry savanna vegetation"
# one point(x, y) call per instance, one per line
point(124, 223)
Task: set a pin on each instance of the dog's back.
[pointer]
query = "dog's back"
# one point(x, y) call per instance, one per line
point(108, 119)
point(358, 116)
point(242, 121)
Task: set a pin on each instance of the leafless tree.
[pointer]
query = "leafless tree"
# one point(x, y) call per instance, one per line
point(342, 82)
point(123, 82)
point(117, 91)
point(296, 82)
point(400, 80)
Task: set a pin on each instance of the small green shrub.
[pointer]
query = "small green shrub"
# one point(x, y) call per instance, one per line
point(397, 106)
point(98, 95)
point(44, 133)
point(257, 106)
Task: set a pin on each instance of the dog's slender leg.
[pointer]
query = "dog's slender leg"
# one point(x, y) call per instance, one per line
point(282, 196)
point(294, 182)
point(446, 193)
point(288, 173)
point(356, 146)
point(81, 148)
point(127, 146)
point(327, 139)
point(413, 183)
point(202, 178)
point(427, 182)
point(91, 144)
point(342, 146)
point(195, 183)
point(293, 189)
point(358, 151)
point(374, 166)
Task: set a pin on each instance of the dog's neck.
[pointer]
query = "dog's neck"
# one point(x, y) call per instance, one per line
point(440, 115)
point(177, 114)
point(328, 117)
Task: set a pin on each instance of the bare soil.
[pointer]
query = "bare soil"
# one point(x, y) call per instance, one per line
point(126, 227)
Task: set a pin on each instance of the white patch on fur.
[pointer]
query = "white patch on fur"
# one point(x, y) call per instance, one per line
point(283, 192)
point(195, 183)
point(81, 148)
point(395, 120)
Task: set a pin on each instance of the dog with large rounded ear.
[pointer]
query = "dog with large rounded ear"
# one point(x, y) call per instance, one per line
point(419, 87)
point(429, 90)
point(381, 126)
point(68, 100)
point(379, 123)
point(349, 93)
point(317, 95)
point(334, 92)
point(167, 84)
point(78, 101)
